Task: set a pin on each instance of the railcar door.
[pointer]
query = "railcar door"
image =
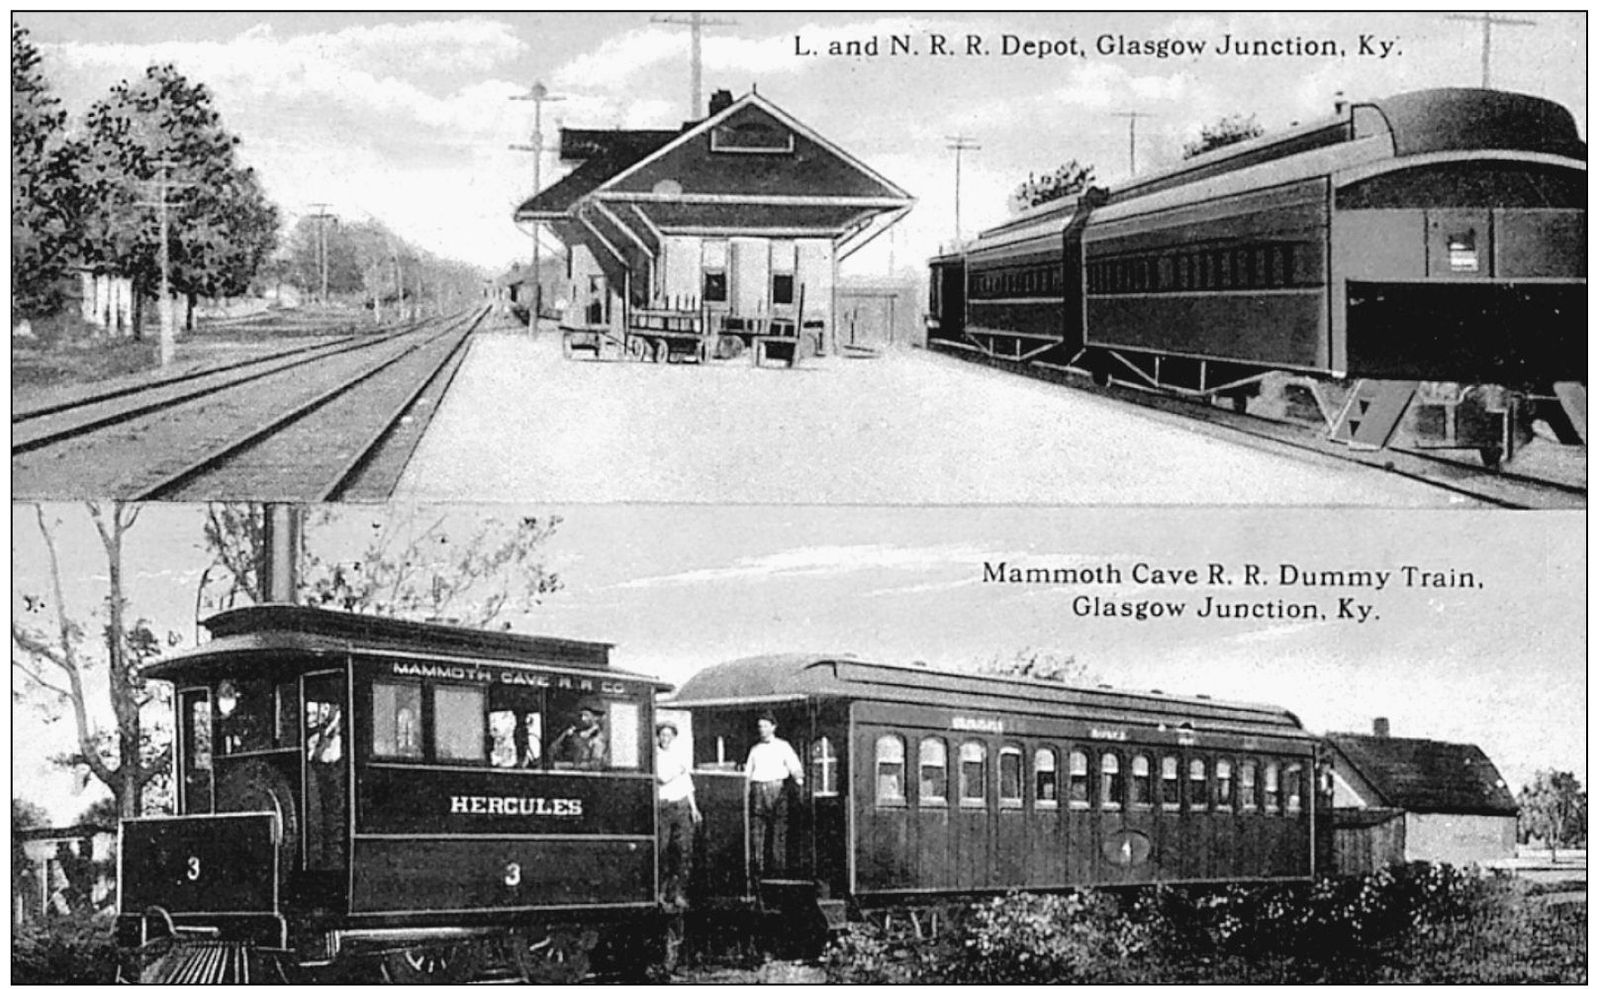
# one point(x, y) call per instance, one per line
point(326, 751)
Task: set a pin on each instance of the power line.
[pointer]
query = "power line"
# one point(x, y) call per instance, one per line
point(1487, 20)
point(959, 144)
point(1131, 138)
point(697, 23)
point(321, 217)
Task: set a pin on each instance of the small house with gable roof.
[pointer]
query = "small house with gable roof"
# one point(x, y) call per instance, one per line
point(734, 224)
point(1415, 799)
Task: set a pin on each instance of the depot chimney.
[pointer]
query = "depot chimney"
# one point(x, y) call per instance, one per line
point(1381, 728)
point(720, 100)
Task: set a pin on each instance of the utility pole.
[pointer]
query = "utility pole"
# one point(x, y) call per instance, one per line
point(1131, 138)
point(539, 95)
point(959, 144)
point(1487, 21)
point(697, 23)
point(321, 243)
point(163, 184)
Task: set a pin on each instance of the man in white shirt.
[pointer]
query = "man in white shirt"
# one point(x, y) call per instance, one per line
point(771, 764)
point(679, 815)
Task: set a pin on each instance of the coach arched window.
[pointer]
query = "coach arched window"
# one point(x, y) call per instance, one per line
point(1273, 790)
point(1247, 795)
point(890, 770)
point(1010, 775)
point(1293, 786)
point(934, 772)
point(1170, 783)
point(1112, 788)
point(973, 774)
point(1078, 792)
point(824, 767)
point(1142, 786)
point(1198, 796)
point(1223, 784)
point(1045, 778)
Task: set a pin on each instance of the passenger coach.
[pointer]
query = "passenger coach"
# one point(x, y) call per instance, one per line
point(925, 784)
point(1423, 251)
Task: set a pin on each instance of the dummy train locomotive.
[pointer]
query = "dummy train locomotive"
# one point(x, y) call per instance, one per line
point(405, 799)
point(1415, 265)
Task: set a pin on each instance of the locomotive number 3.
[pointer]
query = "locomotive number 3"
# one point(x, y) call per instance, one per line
point(194, 868)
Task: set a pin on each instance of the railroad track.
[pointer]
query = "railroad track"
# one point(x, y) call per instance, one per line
point(326, 422)
point(1502, 488)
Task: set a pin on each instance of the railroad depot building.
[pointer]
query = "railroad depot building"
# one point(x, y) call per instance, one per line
point(732, 225)
point(1415, 799)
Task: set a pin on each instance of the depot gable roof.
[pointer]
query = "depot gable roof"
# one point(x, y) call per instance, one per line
point(1425, 776)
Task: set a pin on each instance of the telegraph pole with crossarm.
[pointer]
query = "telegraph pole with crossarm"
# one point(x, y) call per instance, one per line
point(1487, 19)
point(959, 144)
point(538, 95)
point(1131, 137)
point(697, 23)
point(163, 184)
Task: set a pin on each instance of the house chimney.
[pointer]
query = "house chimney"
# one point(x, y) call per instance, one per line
point(1340, 103)
point(1381, 728)
point(720, 100)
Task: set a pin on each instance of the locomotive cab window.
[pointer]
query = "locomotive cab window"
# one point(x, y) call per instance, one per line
point(1045, 775)
point(890, 770)
point(458, 734)
point(246, 717)
point(1010, 776)
point(973, 774)
point(195, 708)
point(397, 720)
point(934, 760)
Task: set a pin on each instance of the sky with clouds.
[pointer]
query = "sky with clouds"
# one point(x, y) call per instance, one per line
point(409, 116)
point(678, 588)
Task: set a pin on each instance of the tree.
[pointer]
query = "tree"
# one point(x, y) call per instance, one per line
point(1030, 663)
point(417, 565)
point(1553, 810)
point(222, 227)
point(1067, 180)
point(52, 660)
point(43, 176)
point(1227, 130)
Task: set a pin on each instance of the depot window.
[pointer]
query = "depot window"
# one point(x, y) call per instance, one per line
point(934, 771)
point(890, 770)
point(1010, 776)
point(1170, 784)
point(823, 767)
point(1112, 791)
point(1045, 792)
point(973, 774)
point(1077, 792)
point(713, 263)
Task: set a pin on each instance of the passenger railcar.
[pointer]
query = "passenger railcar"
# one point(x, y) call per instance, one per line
point(1421, 254)
point(921, 785)
point(352, 787)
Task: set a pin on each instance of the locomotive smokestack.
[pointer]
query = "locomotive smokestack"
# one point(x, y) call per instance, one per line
point(1381, 728)
point(280, 557)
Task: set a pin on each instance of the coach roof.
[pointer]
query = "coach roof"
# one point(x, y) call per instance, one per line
point(791, 676)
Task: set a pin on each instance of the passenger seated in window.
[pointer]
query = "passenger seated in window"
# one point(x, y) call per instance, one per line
point(584, 744)
point(502, 732)
point(532, 740)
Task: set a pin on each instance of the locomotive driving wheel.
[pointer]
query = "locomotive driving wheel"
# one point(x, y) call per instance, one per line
point(433, 964)
point(553, 954)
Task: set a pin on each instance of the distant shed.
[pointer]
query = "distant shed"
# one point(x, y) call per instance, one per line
point(1413, 799)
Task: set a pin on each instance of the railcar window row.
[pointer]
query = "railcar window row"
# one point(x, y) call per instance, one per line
point(1046, 280)
point(503, 726)
point(1251, 266)
point(1108, 779)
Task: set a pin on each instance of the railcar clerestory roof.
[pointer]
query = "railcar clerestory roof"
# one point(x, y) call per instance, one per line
point(783, 677)
point(249, 635)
